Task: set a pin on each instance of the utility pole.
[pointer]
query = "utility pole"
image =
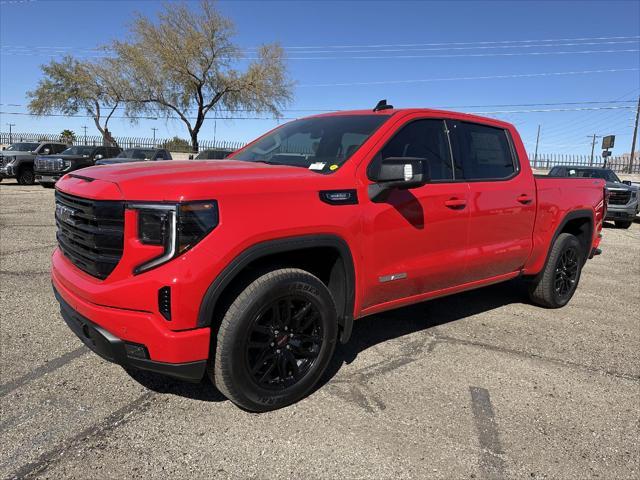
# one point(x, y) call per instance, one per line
point(85, 134)
point(154, 135)
point(635, 136)
point(13, 125)
point(535, 155)
point(593, 147)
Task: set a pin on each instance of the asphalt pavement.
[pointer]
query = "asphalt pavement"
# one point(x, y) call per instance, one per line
point(477, 385)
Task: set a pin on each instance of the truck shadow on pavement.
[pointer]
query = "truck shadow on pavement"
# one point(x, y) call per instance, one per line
point(369, 332)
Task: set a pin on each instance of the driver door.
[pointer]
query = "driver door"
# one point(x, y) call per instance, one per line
point(415, 240)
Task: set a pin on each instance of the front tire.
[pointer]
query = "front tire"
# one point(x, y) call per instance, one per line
point(557, 283)
point(26, 176)
point(623, 223)
point(275, 341)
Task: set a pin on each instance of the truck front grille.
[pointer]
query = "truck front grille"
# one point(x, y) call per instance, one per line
point(90, 233)
point(48, 164)
point(619, 197)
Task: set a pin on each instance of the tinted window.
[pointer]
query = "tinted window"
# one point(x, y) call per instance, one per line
point(423, 139)
point(78, 150)
point(58, 148)
point(483, 152)
point(318, 143)
point(602, 173)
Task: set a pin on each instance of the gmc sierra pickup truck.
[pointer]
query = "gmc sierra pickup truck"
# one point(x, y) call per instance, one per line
point(251, 269)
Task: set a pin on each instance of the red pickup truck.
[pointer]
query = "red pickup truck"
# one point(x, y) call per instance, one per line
point(250, 269)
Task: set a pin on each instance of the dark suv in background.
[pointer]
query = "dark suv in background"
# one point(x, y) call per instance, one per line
point(16, 161)
point(137, 154)
point(622, 207)
point(49, 168)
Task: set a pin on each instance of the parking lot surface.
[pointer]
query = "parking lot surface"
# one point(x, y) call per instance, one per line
point(477, 385)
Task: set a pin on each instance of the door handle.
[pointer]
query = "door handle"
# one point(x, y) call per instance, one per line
point(525, 199)
point(456, 203)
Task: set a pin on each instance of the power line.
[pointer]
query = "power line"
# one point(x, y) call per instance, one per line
point(482, 77)
point(460, 43)
point(586, 102)
point(547, 110)
point(50, 50)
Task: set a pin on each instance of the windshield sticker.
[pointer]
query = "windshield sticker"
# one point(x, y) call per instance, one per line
point(317, 166)
point(333, 167)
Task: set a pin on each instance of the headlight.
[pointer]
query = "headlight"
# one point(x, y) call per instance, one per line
point(9, 160)
point(175, 227)
point(66, 163)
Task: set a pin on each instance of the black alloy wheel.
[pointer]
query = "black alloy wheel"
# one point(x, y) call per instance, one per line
point(275, 340)
point(284, 342)
point(566, 272)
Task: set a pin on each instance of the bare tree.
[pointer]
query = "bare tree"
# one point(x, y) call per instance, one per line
point(186, 65)
point(70, 86)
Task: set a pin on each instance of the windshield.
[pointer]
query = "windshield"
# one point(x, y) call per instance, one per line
point(138, 153)
point(78, 150)
point(321, 143)
point(602, 173)
point(22, 147)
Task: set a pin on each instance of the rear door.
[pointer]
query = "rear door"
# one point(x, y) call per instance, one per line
point(502, 200)
point(415, 240)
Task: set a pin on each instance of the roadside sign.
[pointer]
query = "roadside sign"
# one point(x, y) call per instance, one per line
point(606, 153)
point(608, 141)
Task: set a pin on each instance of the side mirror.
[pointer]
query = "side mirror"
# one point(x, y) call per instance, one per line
point(627, 182)
point(46, 151)
point(399, 172)
point(98, 157)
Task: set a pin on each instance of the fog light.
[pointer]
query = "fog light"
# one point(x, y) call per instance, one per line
point(136, 350)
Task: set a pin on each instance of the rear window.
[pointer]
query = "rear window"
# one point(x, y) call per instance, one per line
point(483, 152)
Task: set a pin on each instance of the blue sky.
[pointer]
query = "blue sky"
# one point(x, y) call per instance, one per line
point(410, 47)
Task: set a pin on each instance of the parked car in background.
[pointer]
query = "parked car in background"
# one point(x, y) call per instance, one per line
point(137, 155)
point(623, 196)
point(213, 154)
point(49, 168)
point(16, 161)
point(251, 269)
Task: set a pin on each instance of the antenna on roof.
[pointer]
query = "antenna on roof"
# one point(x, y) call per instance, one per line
point(382, 105)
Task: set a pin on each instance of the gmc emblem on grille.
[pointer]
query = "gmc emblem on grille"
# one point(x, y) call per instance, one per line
point(65, 214)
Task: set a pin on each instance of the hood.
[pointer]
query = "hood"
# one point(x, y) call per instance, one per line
point(15, 153)
point(111, 161)
point(175, 180)
point(621, 186)
point(65, 157)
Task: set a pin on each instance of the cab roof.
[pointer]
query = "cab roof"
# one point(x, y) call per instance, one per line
point(423, 111)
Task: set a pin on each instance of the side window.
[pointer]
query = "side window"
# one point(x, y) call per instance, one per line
point(423, 139)
point(57, 148)
point(482, 151)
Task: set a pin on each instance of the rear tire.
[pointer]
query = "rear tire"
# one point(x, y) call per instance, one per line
point(556, 284)
point(26, 176)
point(623, 223)
point(275, 340)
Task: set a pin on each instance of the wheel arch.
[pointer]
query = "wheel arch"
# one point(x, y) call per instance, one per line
point(332, 263)
point(579, 223)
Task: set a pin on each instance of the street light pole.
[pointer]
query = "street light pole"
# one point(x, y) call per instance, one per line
point(635, 136)
point(10, 133)
point(593, 147)
point(85, 134)
point(535, 155)
point(154, 135)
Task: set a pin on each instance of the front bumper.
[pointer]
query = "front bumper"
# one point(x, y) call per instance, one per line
point(133, 338)
point(7, 172)
point(622, 212)
point(48, 177)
